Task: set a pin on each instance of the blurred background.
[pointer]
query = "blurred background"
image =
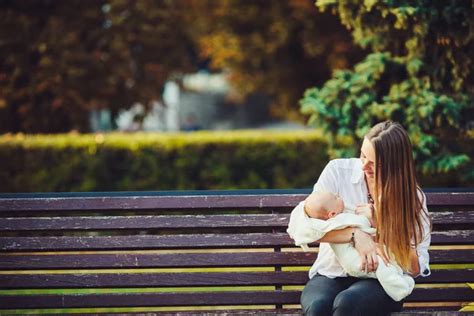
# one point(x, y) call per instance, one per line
point(119, 95)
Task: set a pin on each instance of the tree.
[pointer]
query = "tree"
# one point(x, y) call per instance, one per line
point(277, 48)
point(419, 74)
point(60, 59)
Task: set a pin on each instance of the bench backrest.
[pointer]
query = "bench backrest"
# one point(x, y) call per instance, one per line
point(188, 252)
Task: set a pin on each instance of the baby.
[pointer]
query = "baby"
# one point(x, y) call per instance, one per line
point(323, 212)
point(323, 205)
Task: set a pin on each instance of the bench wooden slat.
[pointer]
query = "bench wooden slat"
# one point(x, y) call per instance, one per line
point(411, 311)
point(92, 261)
point(163, 260)
point(181, 221)
point(143, 222)
point(97, 280)
point(233, 312)
point(151, 279)
point(453, 217)
point(448, 276)
point(449, 199)
point(441, 295)
point(190, 202)
point(151, 202)
point(151, 299)
point(452, 256)
point(458, 237)
point(201, 298)
point(144, 242)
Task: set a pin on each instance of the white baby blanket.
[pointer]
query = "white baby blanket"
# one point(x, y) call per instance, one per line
point(304, 230)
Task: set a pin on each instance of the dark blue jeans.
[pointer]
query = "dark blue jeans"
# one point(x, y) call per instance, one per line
point(346, 296)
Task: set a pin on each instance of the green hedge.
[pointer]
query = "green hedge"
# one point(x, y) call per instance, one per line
point(158, 161)
point(182, 161)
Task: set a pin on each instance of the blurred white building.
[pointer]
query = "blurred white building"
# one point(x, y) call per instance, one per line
point(197, 101)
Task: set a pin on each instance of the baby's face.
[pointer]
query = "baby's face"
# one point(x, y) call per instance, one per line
point(333, 203)
point(323, 205)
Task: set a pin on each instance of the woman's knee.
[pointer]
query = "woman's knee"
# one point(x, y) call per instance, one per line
point(318, 295)
point(345, 303)
point(317, 306)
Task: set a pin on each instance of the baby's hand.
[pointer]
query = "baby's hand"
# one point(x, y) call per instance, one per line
point(364, 209)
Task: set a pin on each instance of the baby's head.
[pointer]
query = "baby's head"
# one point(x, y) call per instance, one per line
point(323, 205)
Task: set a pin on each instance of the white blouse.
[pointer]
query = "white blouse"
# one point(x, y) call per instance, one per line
point(346, 178)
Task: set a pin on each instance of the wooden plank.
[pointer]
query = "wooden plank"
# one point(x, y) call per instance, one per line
point(421, 311)
point(234, 312)
point(181, 221)
point(441, 295)
point(450, 199)
point(453, 217)
point(448, 276)
point(150, 202)
point(145, 242)
point(458, 237)
point(190, 202)
point(98, 280)
point(143, 222)
point(188, 260)
point(200, 298)
point(452, 256)
point(150, 299)
point(133, 260)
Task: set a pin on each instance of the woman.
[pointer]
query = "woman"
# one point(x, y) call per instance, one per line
point(385, 170)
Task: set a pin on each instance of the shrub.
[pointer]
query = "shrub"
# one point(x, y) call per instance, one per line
point(194, 161)
point(186, 161)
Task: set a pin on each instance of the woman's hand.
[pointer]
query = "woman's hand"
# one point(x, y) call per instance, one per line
point(367, 249)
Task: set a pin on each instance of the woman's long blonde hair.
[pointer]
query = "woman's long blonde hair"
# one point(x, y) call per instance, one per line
point(398, 202)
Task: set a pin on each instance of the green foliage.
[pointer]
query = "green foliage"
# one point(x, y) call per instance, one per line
point(149, 161)
point(200, 160)
point(440, 33)
point(419, 74)
point(61, 59)
point(277, 48)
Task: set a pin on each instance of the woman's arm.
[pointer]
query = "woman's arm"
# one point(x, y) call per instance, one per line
point(340, 236)
point(363, 243)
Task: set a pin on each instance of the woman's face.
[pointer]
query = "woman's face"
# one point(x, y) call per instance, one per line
point(367, 156)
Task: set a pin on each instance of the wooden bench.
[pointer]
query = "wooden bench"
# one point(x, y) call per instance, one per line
point(190, 253)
